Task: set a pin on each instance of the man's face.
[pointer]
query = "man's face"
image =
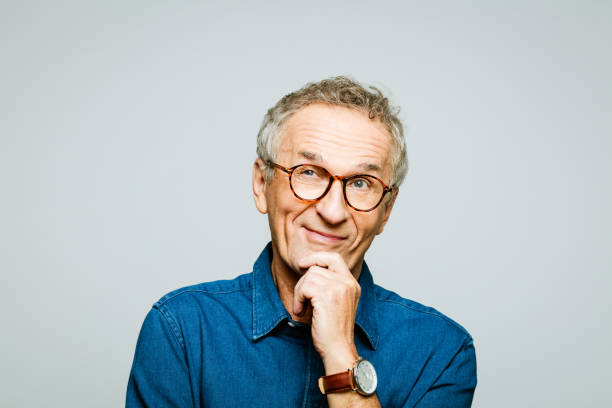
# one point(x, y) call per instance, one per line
point(345, 142)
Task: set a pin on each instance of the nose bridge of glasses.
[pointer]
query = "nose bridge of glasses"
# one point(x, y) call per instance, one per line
point(330, 186)
point(341, 180)
point(332, 202)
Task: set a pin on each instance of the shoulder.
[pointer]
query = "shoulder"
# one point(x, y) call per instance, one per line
point(207, 295)
point(190, 311)
point(398, 312)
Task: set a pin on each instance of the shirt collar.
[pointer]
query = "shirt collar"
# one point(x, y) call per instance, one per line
point(367, 313)
point(269, 311)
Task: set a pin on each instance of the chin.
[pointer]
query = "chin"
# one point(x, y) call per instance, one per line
point(294, 257)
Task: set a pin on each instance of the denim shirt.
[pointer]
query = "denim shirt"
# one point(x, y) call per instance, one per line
point(232, 343)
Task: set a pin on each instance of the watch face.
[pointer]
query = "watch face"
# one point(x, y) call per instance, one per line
point(365, 377)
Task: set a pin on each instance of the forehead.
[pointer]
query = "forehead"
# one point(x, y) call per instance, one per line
point(341, 139)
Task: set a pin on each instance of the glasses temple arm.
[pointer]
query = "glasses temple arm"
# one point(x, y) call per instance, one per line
point(278, 166)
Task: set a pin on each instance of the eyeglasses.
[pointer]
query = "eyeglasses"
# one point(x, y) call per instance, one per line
point(362, 192)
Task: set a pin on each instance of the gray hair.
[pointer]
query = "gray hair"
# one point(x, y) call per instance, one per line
point(339, 91)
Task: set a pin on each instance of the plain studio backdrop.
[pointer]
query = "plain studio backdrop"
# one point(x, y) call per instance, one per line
point(128, 135)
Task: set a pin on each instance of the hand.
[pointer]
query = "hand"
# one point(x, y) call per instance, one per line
point(333, 293)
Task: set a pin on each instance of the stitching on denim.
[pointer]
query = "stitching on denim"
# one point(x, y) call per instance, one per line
point(164, 300)
point(253, 303)
point(173, 325)
point(373, 340)
point(441, 316)
point(275, 323)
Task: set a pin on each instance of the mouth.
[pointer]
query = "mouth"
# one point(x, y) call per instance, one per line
point(323, 237)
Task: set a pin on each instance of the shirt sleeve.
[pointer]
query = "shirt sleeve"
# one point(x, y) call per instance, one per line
point(159, 376)
point(455, 386)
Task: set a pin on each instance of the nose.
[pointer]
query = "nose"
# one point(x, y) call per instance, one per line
point(332, 208)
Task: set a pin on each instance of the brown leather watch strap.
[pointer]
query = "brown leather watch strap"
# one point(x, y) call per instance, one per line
point(337, 382)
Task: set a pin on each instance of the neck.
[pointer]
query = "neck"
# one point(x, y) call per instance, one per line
point(285, 280)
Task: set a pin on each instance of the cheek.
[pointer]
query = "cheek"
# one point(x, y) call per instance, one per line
point(367, 226)
point(274, 198)
point(283, 209)
point(274, 210)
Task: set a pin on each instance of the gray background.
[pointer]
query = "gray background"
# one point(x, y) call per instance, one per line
point(127, 139)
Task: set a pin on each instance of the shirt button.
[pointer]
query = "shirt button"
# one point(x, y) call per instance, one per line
point(291, 324)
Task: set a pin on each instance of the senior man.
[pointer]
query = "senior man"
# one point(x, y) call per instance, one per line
point(308, 327)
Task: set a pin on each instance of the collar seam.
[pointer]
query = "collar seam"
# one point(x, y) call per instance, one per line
point(259, 333)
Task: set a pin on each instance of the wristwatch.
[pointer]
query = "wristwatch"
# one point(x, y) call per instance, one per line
point(361, 378)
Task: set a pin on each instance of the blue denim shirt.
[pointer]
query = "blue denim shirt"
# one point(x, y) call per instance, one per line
point(232, 343)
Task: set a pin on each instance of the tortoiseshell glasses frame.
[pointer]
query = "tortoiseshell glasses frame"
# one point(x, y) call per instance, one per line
point(344, 180)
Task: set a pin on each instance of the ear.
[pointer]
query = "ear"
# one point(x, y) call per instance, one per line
point(387, 207)
point(259, 186)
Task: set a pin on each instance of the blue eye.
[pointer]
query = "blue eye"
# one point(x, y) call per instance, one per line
point(360, 184)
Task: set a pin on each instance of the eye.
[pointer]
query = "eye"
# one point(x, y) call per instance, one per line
point(309, 172)
point(360, 183)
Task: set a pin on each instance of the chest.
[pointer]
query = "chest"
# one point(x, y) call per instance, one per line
point(280, 370)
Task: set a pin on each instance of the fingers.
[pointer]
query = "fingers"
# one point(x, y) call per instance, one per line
point(306, 288)
point(318, 284)
point(330, 260)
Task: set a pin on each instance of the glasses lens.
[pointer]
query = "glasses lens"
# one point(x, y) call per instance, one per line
point(363, 192)
point(309, 182)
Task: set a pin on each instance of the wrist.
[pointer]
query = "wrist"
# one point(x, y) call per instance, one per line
point(340, 360)
point(361, 378)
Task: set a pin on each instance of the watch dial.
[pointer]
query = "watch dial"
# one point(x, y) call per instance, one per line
point(365, 376)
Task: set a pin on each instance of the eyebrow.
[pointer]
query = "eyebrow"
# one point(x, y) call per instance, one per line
point(317, 158)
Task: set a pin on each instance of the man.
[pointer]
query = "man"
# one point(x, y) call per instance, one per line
point(308, 327)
